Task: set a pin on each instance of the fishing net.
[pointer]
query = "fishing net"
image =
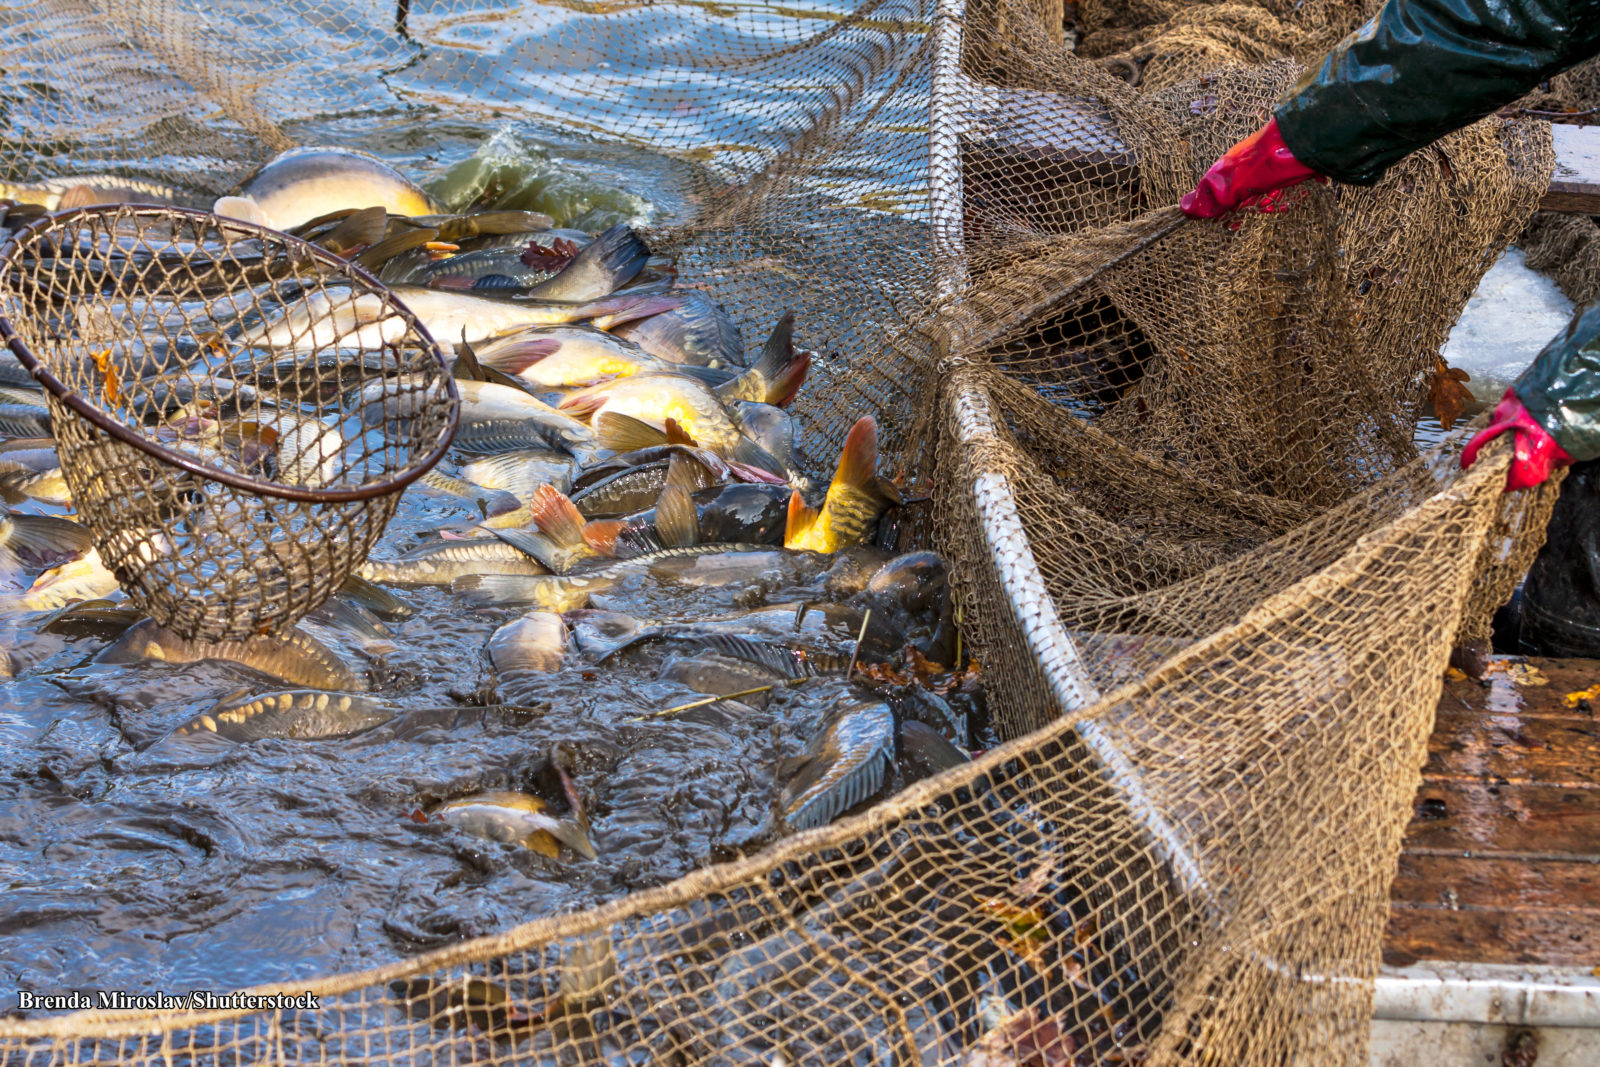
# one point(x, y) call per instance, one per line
point(1212, 584)
point(221, 532)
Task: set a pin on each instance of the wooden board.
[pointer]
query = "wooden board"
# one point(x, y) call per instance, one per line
point(1501, 862)
point(1575, 185)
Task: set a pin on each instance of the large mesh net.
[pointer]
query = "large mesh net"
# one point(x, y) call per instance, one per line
point(1211, 581)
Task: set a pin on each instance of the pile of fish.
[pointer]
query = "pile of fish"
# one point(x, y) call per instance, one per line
point(618, 444)
point(618, 634)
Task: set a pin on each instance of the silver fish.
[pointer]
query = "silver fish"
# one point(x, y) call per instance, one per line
point(535, 642)
point(503, 815)
point(445, 561)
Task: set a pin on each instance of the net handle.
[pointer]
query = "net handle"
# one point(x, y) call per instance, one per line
point(11, 249)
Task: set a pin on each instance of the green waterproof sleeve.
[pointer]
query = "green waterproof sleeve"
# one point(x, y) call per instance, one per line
point(1422, 68)
point(1561, 389)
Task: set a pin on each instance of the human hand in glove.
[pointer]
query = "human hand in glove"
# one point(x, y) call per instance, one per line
point(1253, 171)
point(1537, 454)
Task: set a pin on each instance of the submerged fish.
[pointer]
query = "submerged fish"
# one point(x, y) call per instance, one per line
point(81, 190)
point(535, 642)
point(296, 658)
point(847, 763)
point(443, 562)
point(856, 499)
point(302, 184)
point(300, 714)
point(505, 815)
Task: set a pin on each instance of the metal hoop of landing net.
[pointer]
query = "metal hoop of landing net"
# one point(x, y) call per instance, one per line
point(236, 411)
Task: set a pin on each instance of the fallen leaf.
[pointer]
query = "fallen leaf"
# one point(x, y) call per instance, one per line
point(1449, 396)
point(108, 370)
point(1028, 1041)
point(1583, 696)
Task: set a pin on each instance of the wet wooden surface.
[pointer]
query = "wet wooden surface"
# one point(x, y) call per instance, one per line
point(1501, 862)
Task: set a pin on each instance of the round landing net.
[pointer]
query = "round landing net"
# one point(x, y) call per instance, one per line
point(1212, 583)
point(234, 456)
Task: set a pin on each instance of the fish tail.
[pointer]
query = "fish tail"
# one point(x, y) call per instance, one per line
point(799, 521)
point(781, 366)
point(619, 253)
point(556, 516)
point(858, 460)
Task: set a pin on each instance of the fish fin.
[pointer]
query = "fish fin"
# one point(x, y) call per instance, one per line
point(746, 473)
point(888, 490)
point(514, 357)
point(80, 196)
point(601, 536)
point(386, 249)
point(616, 310)
point(677, 435)
point(467, 365)
point(237, 694)
point(751, 454)
point(624, 433)
point(487, 589)
point(800, 519)
point(360, 229)
point(529, 543)
point(556, 516)
point(242, 208)
point(47, 540)
point(542, 842)
point(582, 404)
point(575, 836)
point(858, 460)
point(677, 521)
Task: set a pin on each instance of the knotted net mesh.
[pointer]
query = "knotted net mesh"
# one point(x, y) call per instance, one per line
point(1212, 583)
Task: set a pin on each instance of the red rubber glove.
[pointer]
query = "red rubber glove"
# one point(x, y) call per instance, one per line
point(1537, 453)
point(1259, 164)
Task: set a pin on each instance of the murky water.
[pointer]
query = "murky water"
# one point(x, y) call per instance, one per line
point(134, 859)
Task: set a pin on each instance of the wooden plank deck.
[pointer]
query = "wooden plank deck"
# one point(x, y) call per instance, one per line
point(1501, 862)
